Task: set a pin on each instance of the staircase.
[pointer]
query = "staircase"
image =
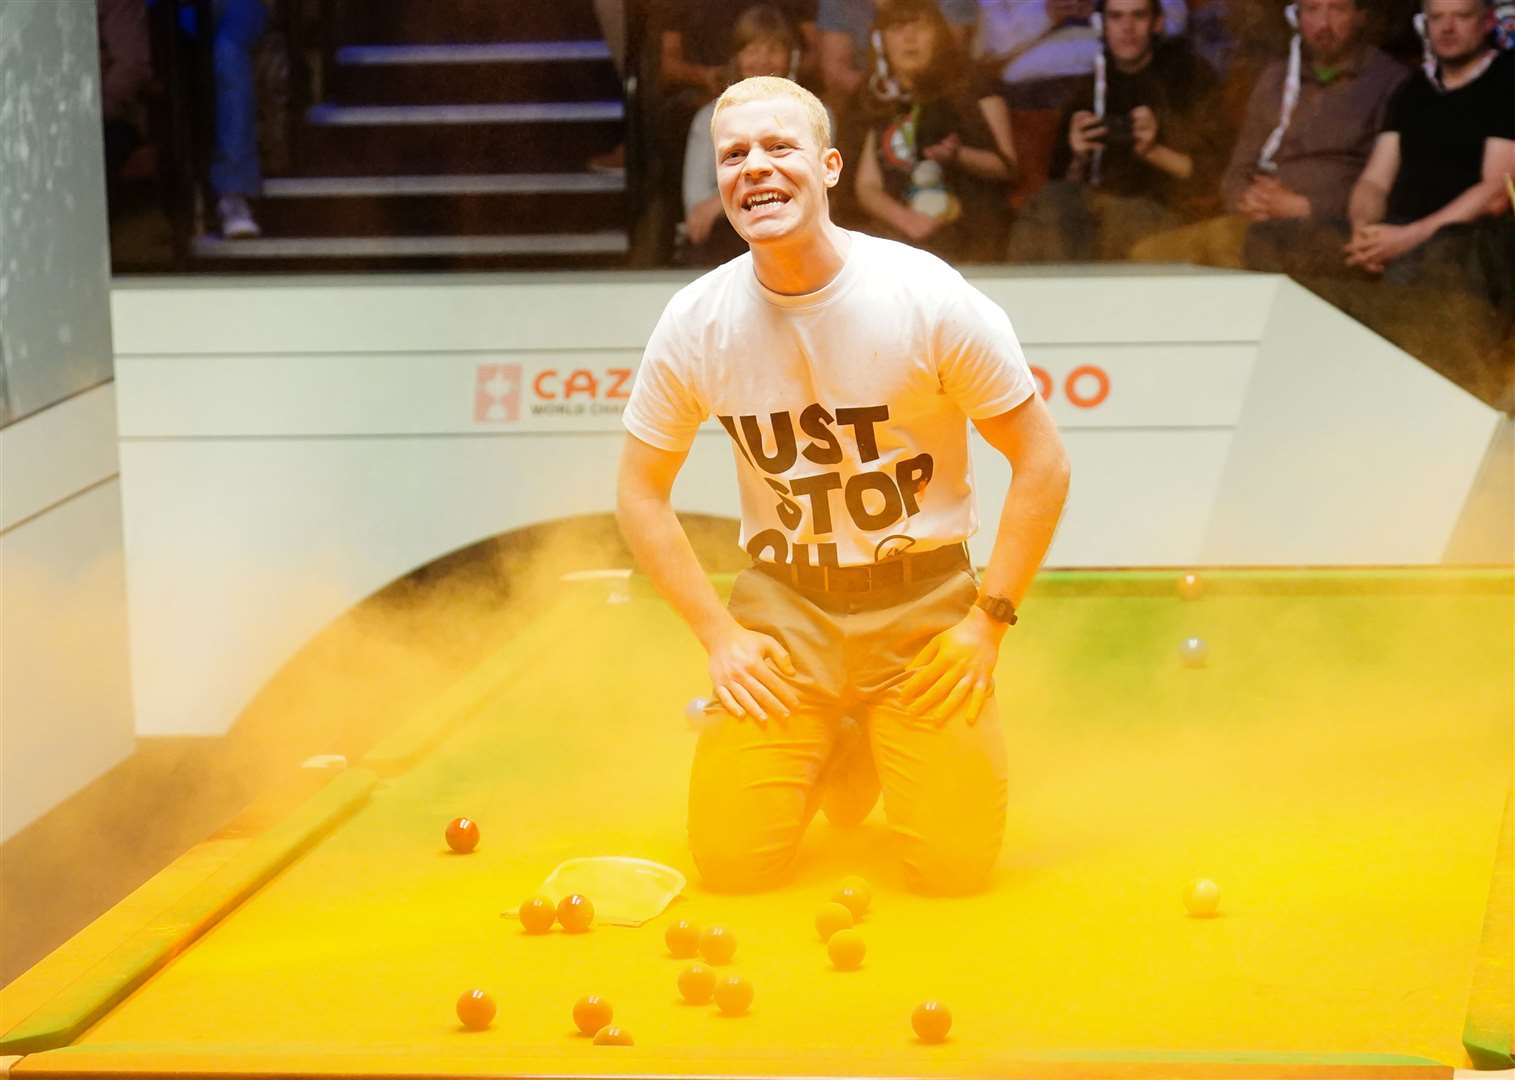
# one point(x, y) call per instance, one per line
point(452, 133)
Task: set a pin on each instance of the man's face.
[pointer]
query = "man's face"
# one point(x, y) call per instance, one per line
point(1331, 29)
point(1458, 29)
point(909, 46)
point(763, 56)
point(772, 171)
point(1130, 28)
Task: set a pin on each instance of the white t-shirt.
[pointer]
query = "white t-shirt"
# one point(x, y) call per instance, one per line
point(847, 407)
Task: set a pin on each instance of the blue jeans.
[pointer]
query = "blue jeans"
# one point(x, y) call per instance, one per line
point(234, 155)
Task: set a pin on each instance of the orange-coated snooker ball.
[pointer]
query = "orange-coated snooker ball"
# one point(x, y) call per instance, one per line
point(475, 1010)
point(846, 948)
point(831, 918)
point(683, 939)
point(696, 984)
point(855, 895)
point(537, 914)
point(1202, 898)
point(733, 995)
point(576, 913)
point(591, 1012)
point(610, 1035)
point(931, 1020)
point(717, 945)
point(462, 835)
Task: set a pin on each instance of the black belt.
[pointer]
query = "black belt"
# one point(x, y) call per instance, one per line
point(899, 570)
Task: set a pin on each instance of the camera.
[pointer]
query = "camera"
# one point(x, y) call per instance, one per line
point(1118, 133)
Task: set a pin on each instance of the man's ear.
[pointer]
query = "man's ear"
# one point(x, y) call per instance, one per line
point(831, 160)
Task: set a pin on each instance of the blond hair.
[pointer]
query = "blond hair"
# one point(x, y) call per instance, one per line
point(764, 87)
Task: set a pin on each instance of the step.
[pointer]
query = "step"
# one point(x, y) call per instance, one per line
point(443, 205)
point(428, 21)
point(530, 112)
point(409, 247)
point(545, 146)
point(452, 81)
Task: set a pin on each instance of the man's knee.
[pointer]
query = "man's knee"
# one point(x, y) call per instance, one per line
point(727, 864)
point(950, 869)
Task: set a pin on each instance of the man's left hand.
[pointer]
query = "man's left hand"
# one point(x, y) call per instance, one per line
point(1373, 247)
point(955, 671)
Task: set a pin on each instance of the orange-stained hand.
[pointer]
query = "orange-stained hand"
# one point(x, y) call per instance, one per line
point(955, 671)
point(748, 672)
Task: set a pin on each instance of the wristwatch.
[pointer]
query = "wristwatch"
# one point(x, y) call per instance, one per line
point(999, 608)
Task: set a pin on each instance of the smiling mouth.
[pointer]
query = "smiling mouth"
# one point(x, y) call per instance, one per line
point(759, 199)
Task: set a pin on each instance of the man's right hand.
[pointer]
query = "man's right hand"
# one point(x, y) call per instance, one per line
point(916, 226)
point(748, 672)
point(1085, 132)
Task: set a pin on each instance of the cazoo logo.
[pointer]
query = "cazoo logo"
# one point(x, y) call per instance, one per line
point(501, 391)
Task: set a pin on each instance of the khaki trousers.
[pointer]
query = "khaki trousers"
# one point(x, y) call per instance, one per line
point(754, 789)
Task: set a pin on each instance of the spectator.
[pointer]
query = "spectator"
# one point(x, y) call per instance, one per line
point(845, 28)
point(126, 70)
point(1138, 138)
point(695, 43)
point(1043, 50)
point(235, 172)
point(762, 44)
point(935, 159)
point(1439, 165)
point(1310, 124)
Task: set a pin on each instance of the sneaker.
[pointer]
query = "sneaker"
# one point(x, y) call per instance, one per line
point(850, 787)
point(612, 161)
point(236, 218)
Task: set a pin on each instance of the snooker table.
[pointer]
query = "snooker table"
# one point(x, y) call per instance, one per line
point(1341, 765)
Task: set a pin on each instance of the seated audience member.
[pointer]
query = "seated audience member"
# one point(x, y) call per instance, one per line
point(846, 27)
point(125, 72)
point(235, 171)
point(1138, 138)
point(1438, 169)
point(762, 44)
point(694, 42)
point(1043, 50)
point(1310, 124)
point(935, 158)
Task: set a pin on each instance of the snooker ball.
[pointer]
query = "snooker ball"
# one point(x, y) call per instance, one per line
point(717, 945)
point(576, 913)
point(697, 984)
point(854, 895)
point(537, 914)
point(475, 1010)
point(931, 1020)
point(830, 918)
point(1194, 652)
point(846, 948)
point(1202, 898)
point(610, 1035)
point(591, 1013)
point(462, 835)
point(1190, 587)
point(683, 939)
point(733, 995)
